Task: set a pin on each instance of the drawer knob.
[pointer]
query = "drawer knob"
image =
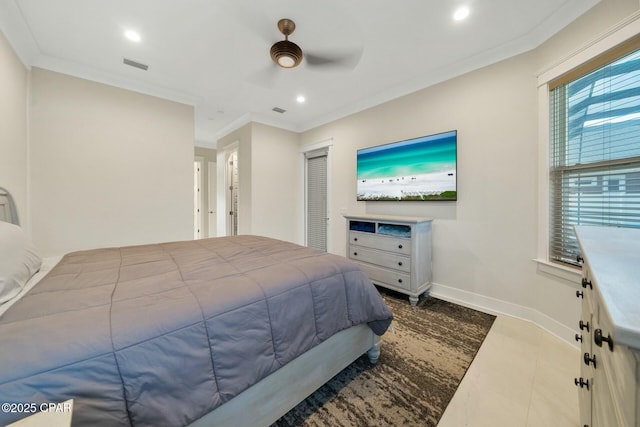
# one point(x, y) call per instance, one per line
point(581, 382)
point(578, 337)
point(588, 360)
point(399, 280)
point(355, 254)
point(579, 294)
point(598, 338)
point(399, 246)
point(355, 239)
point(582, 325)
point(586, 283)
point(400, 263)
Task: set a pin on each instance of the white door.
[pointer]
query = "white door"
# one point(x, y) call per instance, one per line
point(316, 187)
point(211, 211)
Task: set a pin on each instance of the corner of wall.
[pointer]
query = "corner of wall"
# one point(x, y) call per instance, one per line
point(499, 307)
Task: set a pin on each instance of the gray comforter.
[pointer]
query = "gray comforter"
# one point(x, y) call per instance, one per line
point(161, 334)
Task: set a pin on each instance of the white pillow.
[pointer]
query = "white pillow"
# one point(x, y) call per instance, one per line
point(18, 261)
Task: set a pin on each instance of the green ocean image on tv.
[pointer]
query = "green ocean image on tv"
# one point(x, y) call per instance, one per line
point(421, 168)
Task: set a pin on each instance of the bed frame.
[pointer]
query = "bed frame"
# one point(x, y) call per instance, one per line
point(275, 395)
point(7, 207)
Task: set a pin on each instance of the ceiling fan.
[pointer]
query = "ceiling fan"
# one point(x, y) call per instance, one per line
point(287, 54)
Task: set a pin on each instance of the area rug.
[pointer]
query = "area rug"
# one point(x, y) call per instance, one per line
point(422, 363)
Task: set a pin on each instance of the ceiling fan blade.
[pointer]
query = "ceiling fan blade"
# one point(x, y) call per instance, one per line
point(253, 20)
point(339, 61)
point(266, 77)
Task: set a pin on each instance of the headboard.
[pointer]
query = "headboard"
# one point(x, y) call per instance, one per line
point(8, 211)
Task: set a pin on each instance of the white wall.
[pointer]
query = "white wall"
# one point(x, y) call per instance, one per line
point(13, 127)
point(109, 167)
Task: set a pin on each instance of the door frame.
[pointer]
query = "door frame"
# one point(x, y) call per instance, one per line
point(198, 231)
point(212, 211)
point(222, 221)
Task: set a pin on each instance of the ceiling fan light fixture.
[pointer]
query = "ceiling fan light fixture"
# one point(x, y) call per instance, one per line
point(286, 61)
point(286, 54)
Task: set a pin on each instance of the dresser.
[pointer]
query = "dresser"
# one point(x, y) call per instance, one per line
point(393, 251)
point(609, 327)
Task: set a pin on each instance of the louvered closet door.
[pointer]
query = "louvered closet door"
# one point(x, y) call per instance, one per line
point(316, 162)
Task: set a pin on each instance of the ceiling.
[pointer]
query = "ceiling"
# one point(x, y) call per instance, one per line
point(214, 54)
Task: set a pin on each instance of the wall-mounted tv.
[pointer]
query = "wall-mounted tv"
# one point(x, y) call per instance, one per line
point(423, 168)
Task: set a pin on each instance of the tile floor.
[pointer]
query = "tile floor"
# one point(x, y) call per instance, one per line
point(521, 376)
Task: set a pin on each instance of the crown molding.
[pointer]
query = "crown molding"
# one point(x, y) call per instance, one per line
point(570, 11)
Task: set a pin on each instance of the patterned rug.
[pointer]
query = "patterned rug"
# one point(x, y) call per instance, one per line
point(419, 370)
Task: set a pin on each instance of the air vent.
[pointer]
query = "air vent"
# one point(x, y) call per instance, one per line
point(278, 110)
point(135, 64)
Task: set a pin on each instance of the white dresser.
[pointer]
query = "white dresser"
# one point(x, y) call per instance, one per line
point(393, 251)
point(609, 327)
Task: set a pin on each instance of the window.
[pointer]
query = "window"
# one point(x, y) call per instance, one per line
point(594, 173)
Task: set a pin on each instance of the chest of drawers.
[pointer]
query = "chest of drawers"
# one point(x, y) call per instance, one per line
point(609, 327)
point(393, 251)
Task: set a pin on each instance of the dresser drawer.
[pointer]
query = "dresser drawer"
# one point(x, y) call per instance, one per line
point(620, 367)
point(380, 276)
point(385, 243)
point(393, 251)
point(604, 411)
point(383, 259)
point(588, 304)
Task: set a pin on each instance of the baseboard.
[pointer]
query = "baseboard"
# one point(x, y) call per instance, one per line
point(496, 306)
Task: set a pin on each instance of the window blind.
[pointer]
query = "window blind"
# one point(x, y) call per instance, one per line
point(317, 199)
point(594, 174)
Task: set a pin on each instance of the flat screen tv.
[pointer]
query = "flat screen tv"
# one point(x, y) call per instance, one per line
point(423, 168)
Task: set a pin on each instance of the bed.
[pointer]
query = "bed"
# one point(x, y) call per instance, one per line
point(221, 331)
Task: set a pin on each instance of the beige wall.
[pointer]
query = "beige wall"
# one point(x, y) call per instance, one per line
point(269, 168)
point(112, 167)
point(13, 127)
point(484, 244)
point(241, 136)
point(109, 167)
point(548, 295)
point(598, 20)
point(276, 170)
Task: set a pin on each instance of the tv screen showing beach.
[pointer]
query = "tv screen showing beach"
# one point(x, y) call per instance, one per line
point(416, 169)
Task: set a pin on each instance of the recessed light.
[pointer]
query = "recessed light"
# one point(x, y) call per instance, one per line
point(461, 13)
point(132, 35)
point(300, 99)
